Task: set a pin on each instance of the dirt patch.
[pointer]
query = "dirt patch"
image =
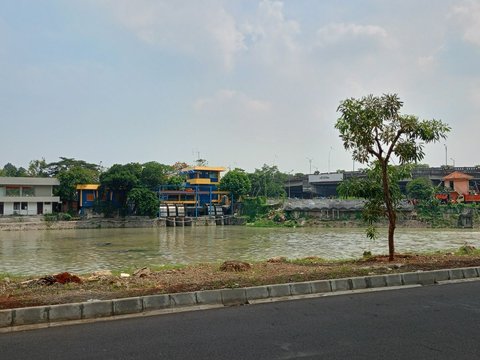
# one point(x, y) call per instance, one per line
point(24, 292)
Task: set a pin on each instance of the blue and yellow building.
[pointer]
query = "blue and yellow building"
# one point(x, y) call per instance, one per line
point(87, 194)
point(201, 188)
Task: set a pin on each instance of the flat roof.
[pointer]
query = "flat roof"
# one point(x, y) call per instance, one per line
point(88, 186)
point(204, 168)
point(10, 180)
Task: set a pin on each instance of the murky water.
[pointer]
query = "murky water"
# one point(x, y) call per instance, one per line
point(80, 251)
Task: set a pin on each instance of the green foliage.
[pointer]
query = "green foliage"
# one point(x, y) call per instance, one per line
point(467, 249)
point(66, 164)
point(268, 182)
point(176, 180)
point(155, 174)
point(121, 179)
point(237, 182)
point(38, 168)
point(105, 207)
point(373, 128)
point(420, 189)
point(134, 184)
point(57, 217)
point(254, 207)
point(12, 171)
point(70, 177)
point(143, 202)
point(370, 188)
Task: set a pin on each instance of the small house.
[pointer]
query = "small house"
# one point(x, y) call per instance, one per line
point(27, 195)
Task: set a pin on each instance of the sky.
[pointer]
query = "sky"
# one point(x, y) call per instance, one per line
point(240, 83)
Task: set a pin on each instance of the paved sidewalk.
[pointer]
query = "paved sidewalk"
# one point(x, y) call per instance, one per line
point(54, 315)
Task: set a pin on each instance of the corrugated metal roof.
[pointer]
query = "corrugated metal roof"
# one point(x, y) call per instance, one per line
point(323, 204)
point(329, 204)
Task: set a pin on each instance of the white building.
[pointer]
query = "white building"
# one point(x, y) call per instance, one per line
point(27, 195)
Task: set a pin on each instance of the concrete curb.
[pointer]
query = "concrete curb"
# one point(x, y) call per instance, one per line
point(15, 319)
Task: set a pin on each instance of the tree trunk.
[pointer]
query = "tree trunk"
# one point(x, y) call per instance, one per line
point(391, 244)
point(392, 216)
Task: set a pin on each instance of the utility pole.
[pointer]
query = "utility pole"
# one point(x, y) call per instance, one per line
point(446, 156)
point(289, 183)
point(310, 161)
point(329, 152)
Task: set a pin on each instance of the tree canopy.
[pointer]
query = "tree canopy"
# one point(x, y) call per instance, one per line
point(374, 130)
point(155, 174)
point(143, 201)
point(237, 182)
point(12, 171)
point(268, 182)
point(420, 189)
point(70, 178)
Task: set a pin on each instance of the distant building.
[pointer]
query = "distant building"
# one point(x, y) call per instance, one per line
point(458, 181)
point(325, 185)
point(27, 195)
point(87, 194)
point(199, 190)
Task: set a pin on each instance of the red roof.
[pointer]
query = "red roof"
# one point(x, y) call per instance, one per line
point(457, 175)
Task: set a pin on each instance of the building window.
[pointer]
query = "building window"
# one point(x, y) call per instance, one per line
point(28, 191)
point(24, 206)
point(16, 206)
point(90, 197)
point(12, 191)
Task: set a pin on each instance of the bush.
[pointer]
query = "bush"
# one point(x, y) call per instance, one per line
point(254, 207)
point(57, 217)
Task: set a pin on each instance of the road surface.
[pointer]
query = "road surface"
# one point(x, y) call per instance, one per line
point(433, 322)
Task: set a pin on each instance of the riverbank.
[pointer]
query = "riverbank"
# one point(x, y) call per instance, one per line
point(63, 288)
point(25, 223)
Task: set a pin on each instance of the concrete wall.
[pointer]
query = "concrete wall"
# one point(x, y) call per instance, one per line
point(8, 208)
point(43, 191)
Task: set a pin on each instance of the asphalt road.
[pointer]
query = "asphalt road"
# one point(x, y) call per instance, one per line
point(434, 322)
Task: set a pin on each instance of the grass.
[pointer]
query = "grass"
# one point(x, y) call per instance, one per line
point(173, 278)
point(153, 267)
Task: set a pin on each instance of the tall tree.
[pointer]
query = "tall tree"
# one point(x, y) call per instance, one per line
point(155, 174)
point(420, 189)
point(121, 179)
point(237, 182)
point(268, 181)
point(143, 201)
point(65, 163)
point(38, 168)
point(373, 129)
point(70, 178)
point(12, 171)
point(370, 188)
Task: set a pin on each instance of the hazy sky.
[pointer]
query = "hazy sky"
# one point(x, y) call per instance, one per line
point(239, 82)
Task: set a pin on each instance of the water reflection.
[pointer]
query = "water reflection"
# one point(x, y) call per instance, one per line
point(79, 251)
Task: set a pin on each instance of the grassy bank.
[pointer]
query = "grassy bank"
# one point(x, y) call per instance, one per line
point(30, 291)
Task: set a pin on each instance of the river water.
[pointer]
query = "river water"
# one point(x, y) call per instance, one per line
point(87, 250)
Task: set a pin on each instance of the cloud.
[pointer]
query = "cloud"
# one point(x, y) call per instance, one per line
point(468, 15)
point(231, 100)
point(271, 27)
point(337, 32)
point(273, 39)
point(201, 29)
